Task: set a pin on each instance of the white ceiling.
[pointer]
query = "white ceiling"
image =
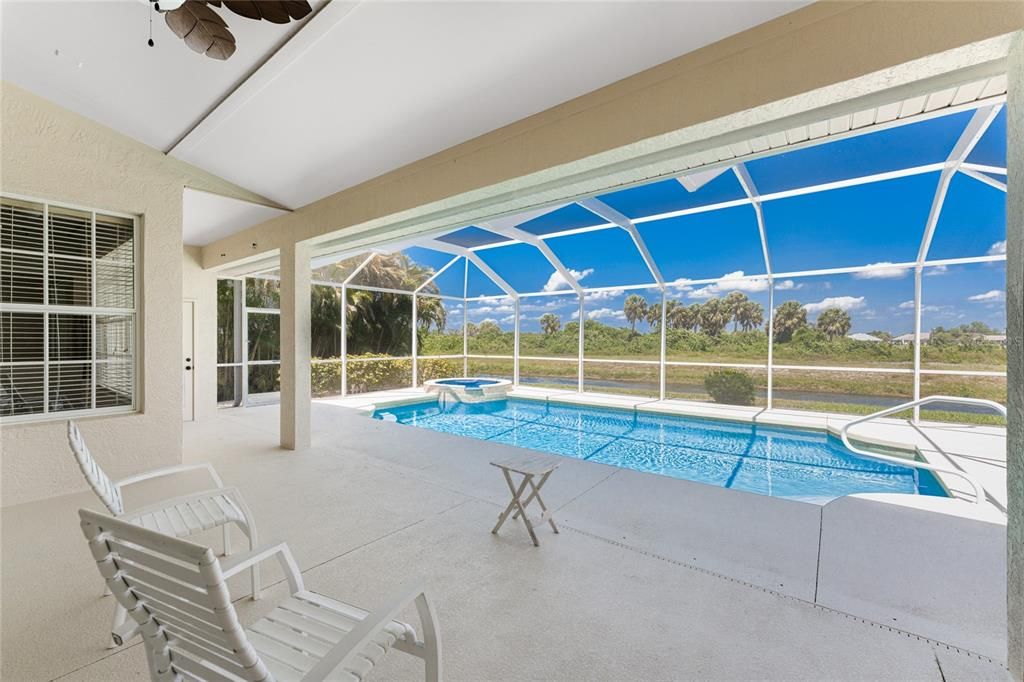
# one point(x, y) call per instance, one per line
point(393, 82)
point(361, 89)
point(92, 57)
point(208, 217)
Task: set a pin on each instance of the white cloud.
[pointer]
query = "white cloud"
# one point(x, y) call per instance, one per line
point(606, 314)
point(909, 305)
point(841, 302)
point(731, 281)
point(936, 271)
point(993, 295)
point(556, 281)
point(605, 295)
point(509, 319)
point(997, 249)
point(883, 270)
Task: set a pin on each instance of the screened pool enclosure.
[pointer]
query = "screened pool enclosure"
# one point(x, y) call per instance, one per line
point(841, 274)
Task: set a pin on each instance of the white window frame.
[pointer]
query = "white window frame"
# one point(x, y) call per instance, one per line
point(92, 311)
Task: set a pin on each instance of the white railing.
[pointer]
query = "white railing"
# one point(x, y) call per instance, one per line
point(979, 490)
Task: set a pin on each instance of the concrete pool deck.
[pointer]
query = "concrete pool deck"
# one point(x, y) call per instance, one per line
point(652, 578)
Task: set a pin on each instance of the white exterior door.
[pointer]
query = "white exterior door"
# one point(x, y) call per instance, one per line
point(188, 374)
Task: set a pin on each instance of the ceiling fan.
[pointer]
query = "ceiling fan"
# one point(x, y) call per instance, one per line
point(206, 32)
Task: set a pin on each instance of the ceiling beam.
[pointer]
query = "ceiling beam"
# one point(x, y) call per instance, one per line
point(970, 137)
point(598, 207)
point(538, 243)
point(437, 274)
point(694, 181)
point(981, 177)
point(747, 182)
point(324, 18)
point(762, 198)
point(471, 257)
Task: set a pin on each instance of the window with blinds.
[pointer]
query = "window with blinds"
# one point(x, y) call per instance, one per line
point(67, 310)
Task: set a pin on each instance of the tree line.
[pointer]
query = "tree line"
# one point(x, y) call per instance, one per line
point(713, 317)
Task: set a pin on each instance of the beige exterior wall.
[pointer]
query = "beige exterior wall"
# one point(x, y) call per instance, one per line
point(51, 153)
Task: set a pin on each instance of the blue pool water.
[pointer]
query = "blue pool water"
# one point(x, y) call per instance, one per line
point(467, 383)
point(793, 463)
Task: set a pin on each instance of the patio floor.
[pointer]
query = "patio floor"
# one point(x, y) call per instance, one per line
point(375, 505)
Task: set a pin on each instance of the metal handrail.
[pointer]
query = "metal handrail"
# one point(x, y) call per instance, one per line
point(979, 490)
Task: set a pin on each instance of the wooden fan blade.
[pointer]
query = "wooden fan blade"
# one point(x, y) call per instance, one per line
point(202, 29)
point(221, 49)
point(245, 8)
point(297, 9)
point(274, 11)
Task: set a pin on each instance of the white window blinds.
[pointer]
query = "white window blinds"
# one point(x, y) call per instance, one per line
point(67, 310)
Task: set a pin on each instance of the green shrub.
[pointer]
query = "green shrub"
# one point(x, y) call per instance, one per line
point(378, 375)
point(731, 387)
point(325, 378)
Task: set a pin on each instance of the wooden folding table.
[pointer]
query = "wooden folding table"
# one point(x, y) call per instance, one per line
point(529, 467)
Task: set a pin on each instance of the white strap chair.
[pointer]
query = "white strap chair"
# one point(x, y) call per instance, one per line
point(176, 592)
point(180, 516)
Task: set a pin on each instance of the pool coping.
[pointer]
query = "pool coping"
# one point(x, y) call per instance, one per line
point(827, 423)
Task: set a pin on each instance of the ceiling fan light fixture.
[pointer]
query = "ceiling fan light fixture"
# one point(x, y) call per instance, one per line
point(167, 5)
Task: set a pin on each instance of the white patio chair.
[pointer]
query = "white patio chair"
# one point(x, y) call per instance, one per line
point(179, 516)
point(176, 592)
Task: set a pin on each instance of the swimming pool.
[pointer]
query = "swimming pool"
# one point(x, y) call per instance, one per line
point(797, 464)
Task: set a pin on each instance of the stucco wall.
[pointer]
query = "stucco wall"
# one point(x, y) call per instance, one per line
point(51, 153)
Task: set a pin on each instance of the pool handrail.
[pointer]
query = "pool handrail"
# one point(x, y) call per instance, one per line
point(979, 489)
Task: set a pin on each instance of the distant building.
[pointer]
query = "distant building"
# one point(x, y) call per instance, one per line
point(908, 339)
point(995, 338)
point(861, 336)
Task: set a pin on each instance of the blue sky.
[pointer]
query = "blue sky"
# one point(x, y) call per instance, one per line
point(872, 224)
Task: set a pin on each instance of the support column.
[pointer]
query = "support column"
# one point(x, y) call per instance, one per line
point(917, 342)
point(515, 347)
point(579, 357)
point(414, 344)
point(344, 340)
point(296, 393)
point(664, 327)
point(465, 321)
point(771, 343)
point(1015, 357)
point(241, 343)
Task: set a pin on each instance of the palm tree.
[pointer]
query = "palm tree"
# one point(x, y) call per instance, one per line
point(549, 323)
point(789, 317)
point(635, 308)
point(430, 312)
point(750, 316)
point(653, 315)
point(379, 322)
point(714, 316)
point(325, 318)
point(686, 317)
point(834, 322)
point(733, 304)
